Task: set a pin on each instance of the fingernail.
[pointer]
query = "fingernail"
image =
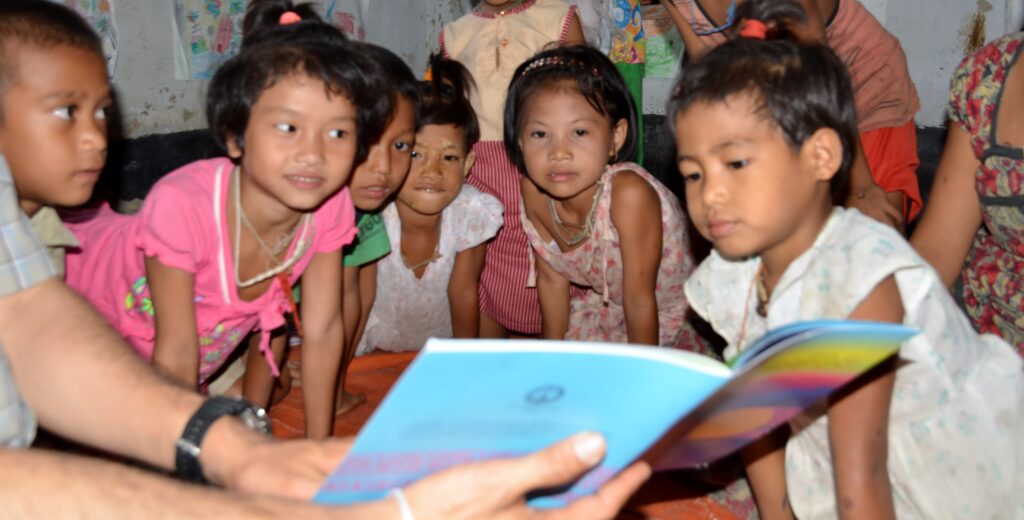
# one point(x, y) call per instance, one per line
point(589, 447)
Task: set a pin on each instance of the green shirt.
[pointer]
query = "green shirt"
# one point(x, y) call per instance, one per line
point(371, 242)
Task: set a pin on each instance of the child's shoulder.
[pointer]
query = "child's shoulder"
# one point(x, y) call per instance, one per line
point(194, 179)
point(472, 201)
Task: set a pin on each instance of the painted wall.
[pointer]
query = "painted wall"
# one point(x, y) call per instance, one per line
point(933, 33)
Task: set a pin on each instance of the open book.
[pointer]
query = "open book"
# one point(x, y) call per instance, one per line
point(466, 400)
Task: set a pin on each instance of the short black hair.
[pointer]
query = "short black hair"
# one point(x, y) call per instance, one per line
point(592, 74)
point(40, 24)
point(277, 51)
point(799, 87)
point(444, 99)
point(400, 78)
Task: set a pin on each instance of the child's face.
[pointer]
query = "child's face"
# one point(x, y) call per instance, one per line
point(440, 162)
point(566, 144)
point(54, 128)
point(747, 190)
point(299, 145)
point(388, 161)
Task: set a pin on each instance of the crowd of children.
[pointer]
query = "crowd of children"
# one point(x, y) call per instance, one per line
point(358, 209)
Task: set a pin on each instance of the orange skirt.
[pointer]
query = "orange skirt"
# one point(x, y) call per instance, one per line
point(892, 157)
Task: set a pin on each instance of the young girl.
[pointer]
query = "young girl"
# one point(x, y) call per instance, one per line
point(593, 218)
point(373, 184)
point(491, 42)
point(766, 131)
point(429, 284)
point(213, 253)
point(884, 175)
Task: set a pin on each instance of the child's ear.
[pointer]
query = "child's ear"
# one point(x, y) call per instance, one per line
point(619, 133)
point(823, 153)
point(470, 160)
point(234, 145)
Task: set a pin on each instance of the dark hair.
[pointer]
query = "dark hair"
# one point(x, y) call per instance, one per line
point(444, 99)
point(311, 47)
point(400, 79)
point(800, 87)
point(595, 78)
point(43, 25)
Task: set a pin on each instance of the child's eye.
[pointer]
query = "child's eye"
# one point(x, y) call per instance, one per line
point(580, 132)
point(403, 146)
point(338, 133)
point(691, 176)
point(285, 127)
point(66, 112)
point(101, 113)
point(538, 134)
point(450, 157)
point(415, 154)
point(736, 165)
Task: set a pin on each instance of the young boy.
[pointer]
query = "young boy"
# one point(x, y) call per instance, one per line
point(54, 99)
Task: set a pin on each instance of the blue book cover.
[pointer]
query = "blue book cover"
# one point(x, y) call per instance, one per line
point(467, 400)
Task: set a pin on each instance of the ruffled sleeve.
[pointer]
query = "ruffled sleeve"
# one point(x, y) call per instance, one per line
point(177, 224)
point(958, 98)
point(473, 218)
point(335, 223)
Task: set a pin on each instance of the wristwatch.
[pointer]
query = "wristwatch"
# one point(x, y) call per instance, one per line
point(187, 448)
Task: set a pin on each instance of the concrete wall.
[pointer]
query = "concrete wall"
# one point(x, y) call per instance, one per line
point(934, 34)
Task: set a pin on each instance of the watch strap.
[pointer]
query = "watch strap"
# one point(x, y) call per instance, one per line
point(187, 447)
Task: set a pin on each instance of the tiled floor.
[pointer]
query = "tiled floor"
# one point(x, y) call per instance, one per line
point(663, 498)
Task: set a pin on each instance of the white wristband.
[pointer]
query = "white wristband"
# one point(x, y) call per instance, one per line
point(404, 511)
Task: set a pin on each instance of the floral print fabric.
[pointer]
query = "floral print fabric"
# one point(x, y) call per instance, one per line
point(993, 293)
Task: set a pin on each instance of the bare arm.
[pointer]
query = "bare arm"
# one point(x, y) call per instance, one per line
point(575, 34)
point(367, 296)
point(636, 214)
point(324, 329)
point(858, 424)
point(552, 288)
point(464, 292)
point(765, 461)
point(176, 352)
point(952, 217)
point(351, 304)
point(694, 46)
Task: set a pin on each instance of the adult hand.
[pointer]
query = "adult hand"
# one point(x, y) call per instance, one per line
point(258, 464)
point(872, 201)
point(497, 488)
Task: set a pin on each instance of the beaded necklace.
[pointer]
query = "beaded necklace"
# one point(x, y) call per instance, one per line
point(571, 239)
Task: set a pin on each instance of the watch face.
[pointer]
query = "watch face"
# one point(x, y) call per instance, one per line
point(256, 419)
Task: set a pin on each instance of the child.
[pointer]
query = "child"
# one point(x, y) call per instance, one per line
point(884, 176)
point(429, 284)
point(935, 434)
point(53, 116)
point(373, 184)
point(211, 256)
point(491, 42)
point(593, 218)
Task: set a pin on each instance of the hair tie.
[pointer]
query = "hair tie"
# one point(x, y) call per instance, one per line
point(755, 29)
point(289, 17)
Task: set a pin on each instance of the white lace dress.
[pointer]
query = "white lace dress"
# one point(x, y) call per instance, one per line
point(408, 310)
point(956, 436)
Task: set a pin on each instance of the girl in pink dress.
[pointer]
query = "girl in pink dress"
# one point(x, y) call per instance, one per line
point(212, 254)
point(594, 219)
point(491, 41)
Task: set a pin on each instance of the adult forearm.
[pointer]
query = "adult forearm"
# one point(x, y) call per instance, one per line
point(41, 484)
point(80, 377)
point(642, 321)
